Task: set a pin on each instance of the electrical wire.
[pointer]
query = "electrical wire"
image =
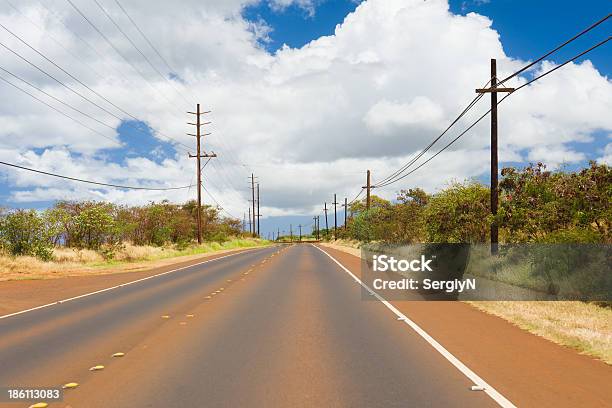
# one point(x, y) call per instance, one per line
point(217, 202)
point(118, 27)
point(56, 99)
point(92, 182)
point(123, 57)
point(389, 178)
point(580, 34)
point(503, 99)
point(75, 92)
point(58, 111)
point(396, 175)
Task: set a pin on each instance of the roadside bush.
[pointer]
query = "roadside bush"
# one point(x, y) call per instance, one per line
point(459, 214)
point(25, 232)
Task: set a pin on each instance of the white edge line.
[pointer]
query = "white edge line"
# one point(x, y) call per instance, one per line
point(125, 284)
point(488, 389)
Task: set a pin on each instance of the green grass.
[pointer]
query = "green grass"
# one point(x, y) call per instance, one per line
point(191, 250)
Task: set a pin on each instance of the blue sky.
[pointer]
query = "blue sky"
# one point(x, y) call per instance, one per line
point(527, 30)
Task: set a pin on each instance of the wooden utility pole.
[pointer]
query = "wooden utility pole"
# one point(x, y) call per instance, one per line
point(345, 211)
point(326, 226)
point(198, 135)
point(493, 90)
point(253, 203)
point(291, 231)
point(277, 234)
point(300, 227)
point(368, 187)
point(258, 213)
point(315, 232)
point(335, 203)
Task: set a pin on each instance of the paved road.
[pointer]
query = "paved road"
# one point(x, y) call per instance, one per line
point(288, 328)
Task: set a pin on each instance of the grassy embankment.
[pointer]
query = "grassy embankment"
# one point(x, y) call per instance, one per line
point(82, 262)
point(584, 327)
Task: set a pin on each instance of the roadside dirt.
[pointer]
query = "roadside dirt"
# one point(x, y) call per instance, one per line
point(24, 294)
point(528, 370)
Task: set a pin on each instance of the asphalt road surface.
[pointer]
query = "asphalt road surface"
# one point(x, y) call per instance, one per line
point(275, 327)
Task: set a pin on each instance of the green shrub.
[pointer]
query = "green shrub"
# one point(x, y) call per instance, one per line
point(25, 232)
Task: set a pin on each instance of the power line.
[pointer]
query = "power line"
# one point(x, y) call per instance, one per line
point(110, 43)
point(56, 99)
point(144, 36)
point(580, 34)
point(55, 40)
point(72, 90)
point(389, 178)
point(92, 182)
point(58, 111)
point(172, 70)
point(217, 202)
point(395, 176)
point(112, 20)
point(503, 99)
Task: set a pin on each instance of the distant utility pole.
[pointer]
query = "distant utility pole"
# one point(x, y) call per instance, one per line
point(291, 232)
point(494, 90)
point(258, 213)
point(254, 232)
point(277, 234)
point(326, 226)
point(300, 227)
point(345, 205)
point(335, 203)
point(243, 222)
point(198, 124)
point(315, 232)
point(368, 187)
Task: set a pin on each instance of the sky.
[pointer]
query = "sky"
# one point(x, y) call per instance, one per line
point(305, 94)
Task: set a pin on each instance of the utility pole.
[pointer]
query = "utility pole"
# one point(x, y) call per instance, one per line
point(326, 226)
point(368, 187)
point(243, 222)
point(258, 213)
point(315, 232)
point(493, 90)
point(335, 203)
point(291, 231)
point(300, 227)
point(277, 234)
point(198, 124)
point(253, 204)
point(345, 211)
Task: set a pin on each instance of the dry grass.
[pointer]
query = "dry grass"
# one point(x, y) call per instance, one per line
point(582, 326)
point(351, 247)
point(74, 262)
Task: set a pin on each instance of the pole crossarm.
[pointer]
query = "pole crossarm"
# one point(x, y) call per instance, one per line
point(490, 90)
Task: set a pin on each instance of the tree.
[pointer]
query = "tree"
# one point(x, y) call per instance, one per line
point(25, 232)
point(459, 214)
